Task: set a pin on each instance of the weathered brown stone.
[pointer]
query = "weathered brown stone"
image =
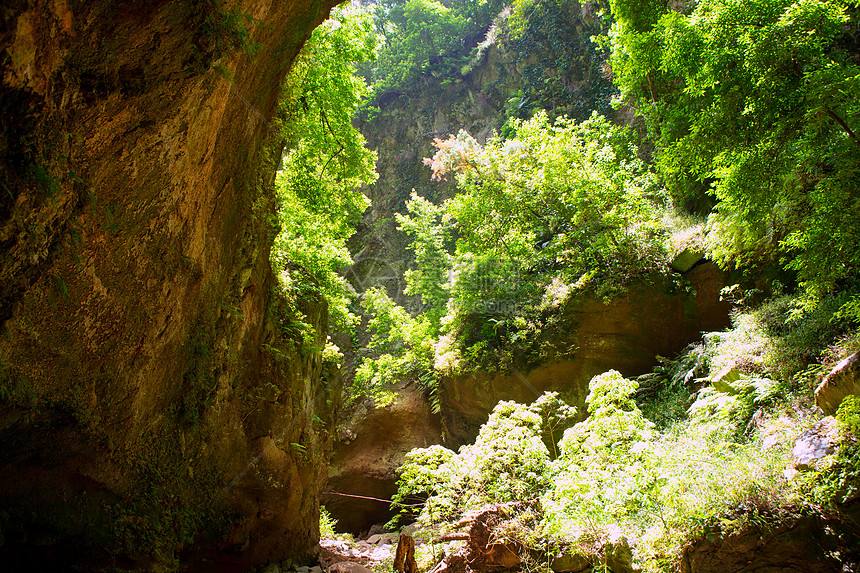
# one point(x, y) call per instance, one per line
point(684, 261)
point(570, 562)
point(842, 381)
point(404, 560)
point(348, 567)
point(139, 404)
point(375, 445)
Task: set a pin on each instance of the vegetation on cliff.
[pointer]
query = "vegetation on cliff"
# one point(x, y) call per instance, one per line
point(700, 454)
point(326, 161)
point(749, 155)
point(421, 38)
point(556, 205)
point(755, 104)
point(158, 384)
point(539, 216)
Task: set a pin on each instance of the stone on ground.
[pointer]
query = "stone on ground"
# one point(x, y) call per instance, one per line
point(348, 567)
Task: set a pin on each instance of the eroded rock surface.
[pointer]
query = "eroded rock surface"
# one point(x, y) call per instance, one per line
point(842, 381)
point(148, 394)
point(365, 463)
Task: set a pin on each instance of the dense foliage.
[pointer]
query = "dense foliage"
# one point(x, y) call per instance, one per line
point(560, 202)
point(756, 103)
point(712, 469)
point(401, 348)
point(546, 44)
point(750, 109)
point(326, 161)
point(425, 37)
point(562, 68)
point(555, 210)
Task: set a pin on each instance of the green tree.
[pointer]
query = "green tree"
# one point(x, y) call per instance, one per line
point(401, 347)
point(561, 67)
point(571, 193)
point(327, 160)
point(430, 231)
point(608, 470)
point(507, 463)
point(561, 199)
point(755, 102)
point(420, 36)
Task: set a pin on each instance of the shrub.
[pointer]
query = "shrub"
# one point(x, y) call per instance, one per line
point(839, 480)
point(615, 473)
point(327, 524)
point(508, 463)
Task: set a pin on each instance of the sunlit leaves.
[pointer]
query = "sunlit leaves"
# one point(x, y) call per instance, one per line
point(326, 161)
point(508, 462)
point(401, 348)
point(574, 190)
point(430, 235)
point(421, 30)
point(758, 101)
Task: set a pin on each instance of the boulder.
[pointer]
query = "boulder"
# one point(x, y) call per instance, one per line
point(348, 567)
point(684, 261)
point(619, 555)
point(383, 539)
point(815, 443)
point(420, 535)
point(842, 381)
point(376, 528)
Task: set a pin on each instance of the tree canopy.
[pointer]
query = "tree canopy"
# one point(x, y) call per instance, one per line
point(418, 37)
point(755, 102)
point(327, 160)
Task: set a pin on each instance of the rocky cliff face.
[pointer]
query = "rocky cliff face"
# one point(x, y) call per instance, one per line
point(655, 317)
point(150, 393)
point(552, 64)
point(374, 445)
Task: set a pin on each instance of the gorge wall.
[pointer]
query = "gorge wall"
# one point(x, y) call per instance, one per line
point(151, 394)
point(551, 63)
